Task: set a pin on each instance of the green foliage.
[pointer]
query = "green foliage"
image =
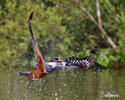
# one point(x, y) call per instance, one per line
point(61, 28)
point(103, 57)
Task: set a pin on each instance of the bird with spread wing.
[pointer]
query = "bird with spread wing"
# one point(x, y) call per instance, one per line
point(42, 67)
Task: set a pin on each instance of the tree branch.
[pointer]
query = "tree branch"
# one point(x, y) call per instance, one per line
point(99, 23)
point(98, 13)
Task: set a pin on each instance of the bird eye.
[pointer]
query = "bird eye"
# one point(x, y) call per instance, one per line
point(56, 58)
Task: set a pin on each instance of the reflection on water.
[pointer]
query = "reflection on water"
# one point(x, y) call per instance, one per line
point(64, 85)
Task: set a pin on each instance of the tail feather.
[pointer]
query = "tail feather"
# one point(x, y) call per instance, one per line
point(24, 73)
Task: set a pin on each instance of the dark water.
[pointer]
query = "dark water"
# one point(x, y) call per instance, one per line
point(64, 85)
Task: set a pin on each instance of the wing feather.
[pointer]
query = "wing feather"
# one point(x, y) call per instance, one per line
point(81, 62)
point(38, 56)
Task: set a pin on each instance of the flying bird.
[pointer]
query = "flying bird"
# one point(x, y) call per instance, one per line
point(43, 67)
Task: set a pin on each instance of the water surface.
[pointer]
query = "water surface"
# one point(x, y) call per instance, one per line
point(64, 85)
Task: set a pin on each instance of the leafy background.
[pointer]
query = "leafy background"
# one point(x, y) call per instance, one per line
point(61, 28)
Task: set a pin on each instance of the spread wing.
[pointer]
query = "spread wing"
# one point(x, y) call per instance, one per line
point(84, 62)
point(37, 54)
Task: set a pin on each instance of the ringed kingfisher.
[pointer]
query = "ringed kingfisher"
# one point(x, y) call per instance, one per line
point(43, 67)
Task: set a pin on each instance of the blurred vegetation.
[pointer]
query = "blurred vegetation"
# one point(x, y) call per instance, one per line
point(61, 28)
